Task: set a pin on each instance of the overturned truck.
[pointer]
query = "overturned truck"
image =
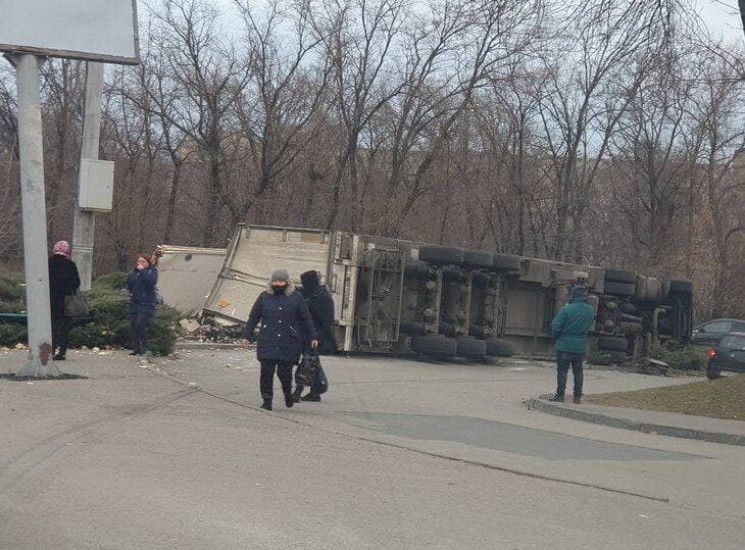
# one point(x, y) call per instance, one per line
point(394, 296)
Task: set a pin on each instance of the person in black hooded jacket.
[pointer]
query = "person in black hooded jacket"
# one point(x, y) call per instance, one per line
point(321, 306)
point(64, 280)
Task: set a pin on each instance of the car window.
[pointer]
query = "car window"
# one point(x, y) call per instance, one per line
point(718, 326)
point(731, 341)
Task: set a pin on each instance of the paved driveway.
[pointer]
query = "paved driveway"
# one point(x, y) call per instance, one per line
point(400, 454)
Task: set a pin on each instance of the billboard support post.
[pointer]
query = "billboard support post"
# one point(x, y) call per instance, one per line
point(34, 219)
point(83, 233)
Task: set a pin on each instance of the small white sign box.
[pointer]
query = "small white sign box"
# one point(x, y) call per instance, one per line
point(95, 185)
point(98, 30)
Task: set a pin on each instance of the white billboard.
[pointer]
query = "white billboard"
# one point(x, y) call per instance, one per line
point(100, 30)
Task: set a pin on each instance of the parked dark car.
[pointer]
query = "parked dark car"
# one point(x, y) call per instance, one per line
point(729, 355)
point(710, 332)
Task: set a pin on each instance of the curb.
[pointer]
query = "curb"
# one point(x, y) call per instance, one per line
point(205, 345)
point(635, 425)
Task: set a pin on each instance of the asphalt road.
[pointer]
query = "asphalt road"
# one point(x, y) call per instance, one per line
point(400, 454)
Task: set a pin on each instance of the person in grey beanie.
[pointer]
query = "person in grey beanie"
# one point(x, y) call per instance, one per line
point(570, 328)
point(286, 326)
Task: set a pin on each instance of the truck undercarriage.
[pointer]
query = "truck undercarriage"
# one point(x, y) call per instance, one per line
point(395, 296)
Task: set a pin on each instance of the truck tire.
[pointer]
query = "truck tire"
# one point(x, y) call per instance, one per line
point(612, 343)
point(620, 289)
point(680, 285)
point(506, 262)
point(617, 357)
point(498, 348)
point(619, 276)
point(477, 258)
point(441, 255)
point(470, 347)
point(434, 344)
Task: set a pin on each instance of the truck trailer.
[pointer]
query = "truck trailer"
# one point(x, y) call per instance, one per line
point(397, 296)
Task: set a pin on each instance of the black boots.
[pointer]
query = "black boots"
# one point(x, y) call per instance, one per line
point(267, 405)
point(289, 399)
point(311, 397)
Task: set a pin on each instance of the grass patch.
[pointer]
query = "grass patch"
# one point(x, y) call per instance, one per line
point(721, 398)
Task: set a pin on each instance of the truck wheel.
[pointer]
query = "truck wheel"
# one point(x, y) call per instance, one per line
point(470, 347)
point(620, 289)
point(499, 348)
point(506, 262)
point(680, 285)
point(441, 255)
point(477, 258)
point(620, 276)
point(617, 357)
point(434, 344)
point(612, 343)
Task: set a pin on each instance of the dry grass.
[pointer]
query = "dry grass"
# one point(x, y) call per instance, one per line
point(722, 398)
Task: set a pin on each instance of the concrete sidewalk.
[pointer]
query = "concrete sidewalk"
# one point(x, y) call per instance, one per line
point(715, 430)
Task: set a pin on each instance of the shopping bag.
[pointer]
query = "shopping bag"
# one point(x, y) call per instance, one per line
point(76, 306)
point(306, 370)
point(320, 382)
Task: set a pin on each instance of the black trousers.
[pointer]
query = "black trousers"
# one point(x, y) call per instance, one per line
point(564, 360)
point(284, 373)
point(140, 323)
point(60, 329)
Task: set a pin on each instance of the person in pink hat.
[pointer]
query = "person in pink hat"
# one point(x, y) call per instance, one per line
point(64, 280)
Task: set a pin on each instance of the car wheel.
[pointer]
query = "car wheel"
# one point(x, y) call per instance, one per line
point(713, 374)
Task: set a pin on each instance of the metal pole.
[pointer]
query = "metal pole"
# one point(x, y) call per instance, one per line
point(34, 219)
point(83, 233)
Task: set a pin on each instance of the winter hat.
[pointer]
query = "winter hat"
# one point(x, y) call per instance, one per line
point(62, 248)
point(310, 280)
point(578, 292)
point(280, 275)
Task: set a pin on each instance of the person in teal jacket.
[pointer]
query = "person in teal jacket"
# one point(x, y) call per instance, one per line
point(570, 328)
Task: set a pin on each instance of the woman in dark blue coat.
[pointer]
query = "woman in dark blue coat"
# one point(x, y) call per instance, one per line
point(143, 298)
point(286, 325)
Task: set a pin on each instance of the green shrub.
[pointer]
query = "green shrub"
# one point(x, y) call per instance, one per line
point(12, 334)
point(12, 293)
point(682, 357)
point(110, 281)
point(112, 327)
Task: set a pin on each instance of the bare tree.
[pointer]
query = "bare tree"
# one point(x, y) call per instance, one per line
point(284, 98)
point(615, 44)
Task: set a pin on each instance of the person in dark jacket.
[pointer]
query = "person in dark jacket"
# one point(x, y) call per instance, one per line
point(64, 280)
point(570, 328)
point(286, 326)
point(321, 306)
point(141, 283)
